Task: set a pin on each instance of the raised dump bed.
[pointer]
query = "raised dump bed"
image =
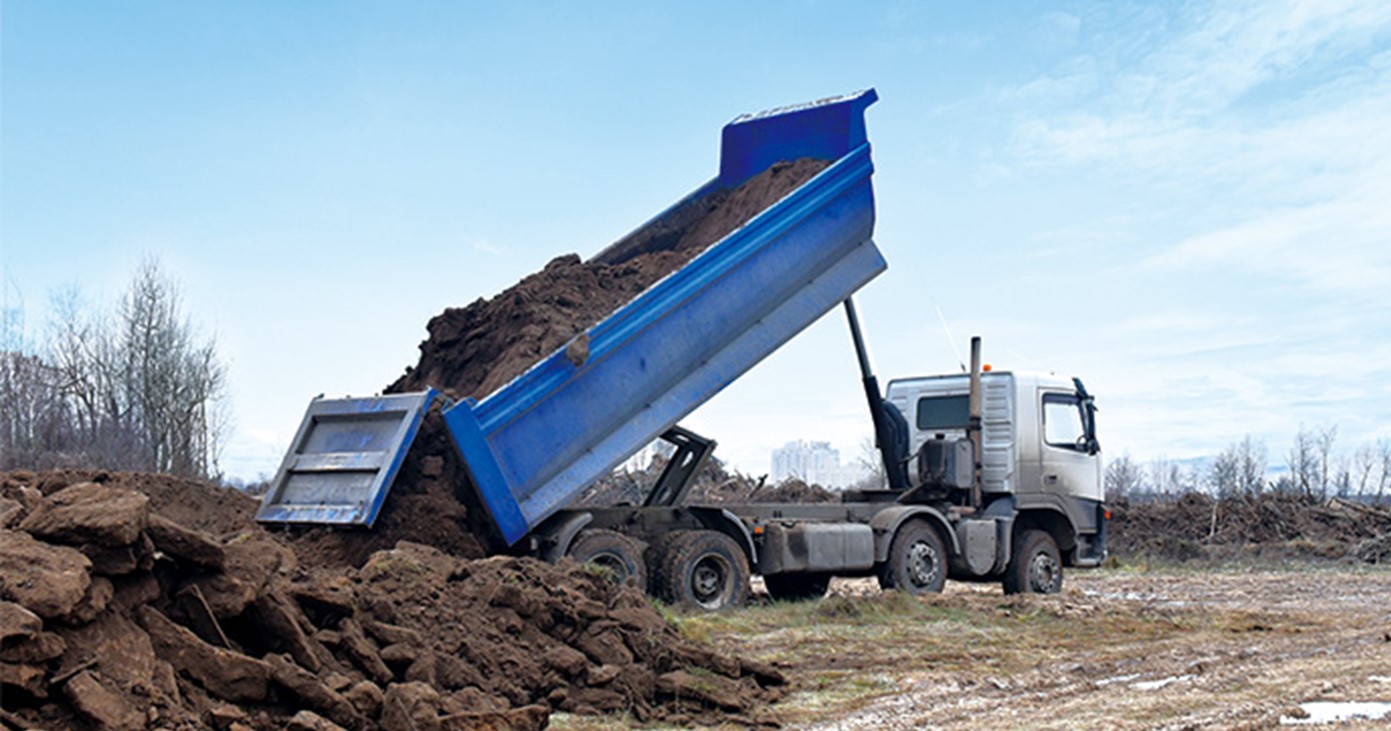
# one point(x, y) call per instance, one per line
point(532, 446)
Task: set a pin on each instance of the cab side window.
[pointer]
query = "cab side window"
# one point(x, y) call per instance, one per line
point(1062, 421)
point(940, 413)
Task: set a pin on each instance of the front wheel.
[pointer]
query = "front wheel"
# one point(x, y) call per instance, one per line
point(1035, 566)
point(702, 569)
point(917, 560)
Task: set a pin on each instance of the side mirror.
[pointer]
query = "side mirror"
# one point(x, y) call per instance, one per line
point(1088, 403)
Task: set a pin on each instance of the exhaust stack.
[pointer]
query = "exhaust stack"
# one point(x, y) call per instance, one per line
point(973, 428)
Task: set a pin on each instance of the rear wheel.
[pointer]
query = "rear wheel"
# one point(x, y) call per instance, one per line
point(1035, 565)
point(618, 555)
point(917, 560)
point(701, 569)
point(797, 587)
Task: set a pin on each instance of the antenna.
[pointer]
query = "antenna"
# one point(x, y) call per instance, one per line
point(950, 340)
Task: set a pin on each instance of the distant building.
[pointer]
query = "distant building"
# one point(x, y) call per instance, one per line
point(816, 463)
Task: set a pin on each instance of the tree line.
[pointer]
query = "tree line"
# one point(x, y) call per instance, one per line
point(129, 387)
point(1313, 467)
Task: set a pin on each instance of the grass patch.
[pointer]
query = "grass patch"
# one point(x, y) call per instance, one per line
point(1063, 657)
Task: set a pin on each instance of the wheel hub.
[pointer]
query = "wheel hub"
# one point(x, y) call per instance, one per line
point(922, 564)
point(708, 580)
point(1043, 572)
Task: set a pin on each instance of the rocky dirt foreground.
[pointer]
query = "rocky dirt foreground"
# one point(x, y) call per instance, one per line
point(145, 602)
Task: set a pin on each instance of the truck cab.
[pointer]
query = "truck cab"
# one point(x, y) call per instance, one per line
point(1040, 459)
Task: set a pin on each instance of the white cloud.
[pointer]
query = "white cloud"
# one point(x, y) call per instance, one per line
point(1342, 246)
point(1195, 103)
point(483, 246)
point(1254, 140)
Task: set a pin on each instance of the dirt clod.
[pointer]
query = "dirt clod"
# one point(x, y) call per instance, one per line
point(48, 580)
point(90, 512)
point(105, 707)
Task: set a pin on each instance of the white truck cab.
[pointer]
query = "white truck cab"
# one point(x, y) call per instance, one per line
point(1040, 461)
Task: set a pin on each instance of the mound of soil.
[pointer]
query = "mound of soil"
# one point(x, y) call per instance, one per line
point(787, 491)
point(1195, 526)
point(113, 615)
point(431, 502)
point(192, 503)
point(714, 485)
point(474, 350)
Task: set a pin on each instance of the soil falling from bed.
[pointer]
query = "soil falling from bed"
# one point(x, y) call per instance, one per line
point(474, 350)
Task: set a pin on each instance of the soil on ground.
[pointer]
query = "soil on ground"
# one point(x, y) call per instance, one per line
point(114, 614)
point(1222, 649)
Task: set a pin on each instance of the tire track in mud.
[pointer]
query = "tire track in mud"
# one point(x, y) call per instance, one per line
point(1244, 652)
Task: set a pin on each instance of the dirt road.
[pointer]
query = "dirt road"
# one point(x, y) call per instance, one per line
point(1116, 650)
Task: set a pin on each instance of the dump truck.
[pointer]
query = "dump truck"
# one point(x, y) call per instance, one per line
point(989, 475)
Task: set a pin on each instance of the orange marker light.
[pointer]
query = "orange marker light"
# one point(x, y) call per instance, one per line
point(987, 368)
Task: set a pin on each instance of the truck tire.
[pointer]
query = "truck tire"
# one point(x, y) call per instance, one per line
point(614, 552)
point(1035, 565)
point(701, 569)
point(797, 587)
point(917, 560)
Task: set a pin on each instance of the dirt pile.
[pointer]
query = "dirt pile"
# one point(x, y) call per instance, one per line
point(431, 502)
point(114, 616)
point(474, 350)
point(1277, 524)
point(742, 491)
point(715, 484)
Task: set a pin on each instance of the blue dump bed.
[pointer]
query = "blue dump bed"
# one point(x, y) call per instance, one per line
point(534, 445)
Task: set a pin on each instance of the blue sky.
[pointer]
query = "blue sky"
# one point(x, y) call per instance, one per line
point(1185, 204)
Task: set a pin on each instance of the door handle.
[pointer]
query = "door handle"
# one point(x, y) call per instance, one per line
point(1050, 479)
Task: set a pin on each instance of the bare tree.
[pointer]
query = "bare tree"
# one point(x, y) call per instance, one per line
point(1384, 458)
point(1123, 478)
point(1251, 465)
point(1324, 441)
point(1303, 462)
point(1224, 474)
point(1364, 462)
point(1167, 478)
point(1342, 477)
point(1161, 476)
point(872, 464)
point(168, 378)
point(1237, 471)
point(139, 390)
point(31, 415)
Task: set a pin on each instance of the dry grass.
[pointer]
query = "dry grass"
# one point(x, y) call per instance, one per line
point(1239, 648)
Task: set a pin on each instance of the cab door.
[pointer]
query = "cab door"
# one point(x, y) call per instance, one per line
point(1070, 466)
